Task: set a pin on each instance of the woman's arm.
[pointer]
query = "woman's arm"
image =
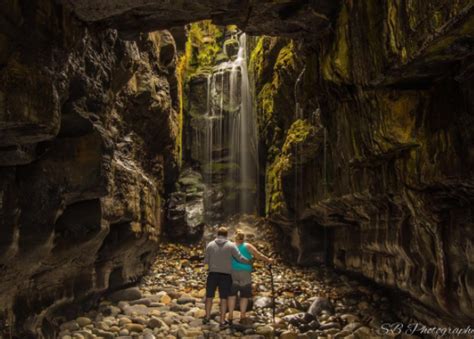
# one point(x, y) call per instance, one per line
point(257, 254)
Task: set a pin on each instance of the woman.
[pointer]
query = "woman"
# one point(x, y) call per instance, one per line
point(242, 276)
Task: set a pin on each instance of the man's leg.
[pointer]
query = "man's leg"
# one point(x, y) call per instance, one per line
point(211, 285)
point(223, 310)
point(243, 307)
point(225, 285)
point(208, 307)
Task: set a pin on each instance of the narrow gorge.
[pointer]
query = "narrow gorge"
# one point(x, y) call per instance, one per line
point(338, 134)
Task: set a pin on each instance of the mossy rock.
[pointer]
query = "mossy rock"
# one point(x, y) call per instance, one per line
point(231, 48)
point(220, 168)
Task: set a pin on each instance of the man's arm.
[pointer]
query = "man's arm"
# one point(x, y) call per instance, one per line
point(238, 256)
point(257, 254)
point(206, 256)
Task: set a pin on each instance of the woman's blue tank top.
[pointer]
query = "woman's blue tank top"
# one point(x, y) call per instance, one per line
point(237, 265)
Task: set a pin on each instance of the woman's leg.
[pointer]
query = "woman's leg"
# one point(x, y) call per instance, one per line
point(243, 307)
point(231, 301)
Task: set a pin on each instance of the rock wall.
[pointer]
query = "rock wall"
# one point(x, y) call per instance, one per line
point(371, 167)
point(89, 138)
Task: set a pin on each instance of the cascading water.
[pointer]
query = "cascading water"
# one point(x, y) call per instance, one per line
point(231, 133)
point(298, 183)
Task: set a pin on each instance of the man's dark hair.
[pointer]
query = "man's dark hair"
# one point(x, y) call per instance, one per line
point(222, 231)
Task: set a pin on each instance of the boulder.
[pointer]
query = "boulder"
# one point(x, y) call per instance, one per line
point(186, 208)
point(320, 304)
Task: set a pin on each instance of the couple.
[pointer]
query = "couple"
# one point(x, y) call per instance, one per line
point(230, 269)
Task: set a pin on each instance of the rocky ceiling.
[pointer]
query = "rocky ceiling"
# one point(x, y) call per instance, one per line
point(276, 17)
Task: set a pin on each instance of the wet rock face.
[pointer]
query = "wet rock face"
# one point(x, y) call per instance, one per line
point(289, 17)
point(87, 119)
point(185, 213)
point(377, 153)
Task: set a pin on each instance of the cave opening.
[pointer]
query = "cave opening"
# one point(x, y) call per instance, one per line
point(219, 121)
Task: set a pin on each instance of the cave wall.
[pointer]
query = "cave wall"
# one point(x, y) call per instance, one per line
point(372, 171)
point(89, 139)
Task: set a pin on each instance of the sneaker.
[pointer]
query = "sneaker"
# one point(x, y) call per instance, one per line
point(224, 325)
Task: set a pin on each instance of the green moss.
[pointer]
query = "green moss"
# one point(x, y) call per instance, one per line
point(300, 136)
point(275, 203)
point(203, 45)
point(286, 62)
point(265, 104)
point(336, 63)
point(298, 133)
point(257, 58)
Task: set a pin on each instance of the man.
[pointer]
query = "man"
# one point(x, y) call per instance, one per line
point(242, 276)
point(218, 258)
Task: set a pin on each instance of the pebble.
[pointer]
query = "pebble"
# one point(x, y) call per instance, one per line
point(70, 326)
point(83, 321)
point(135, 327)
point(263, 302)
point(289, 335)
point(142, 301)
point(186, 300)
point(349, 318)
point(320, 304)
point(264, 330)
point(128, 294)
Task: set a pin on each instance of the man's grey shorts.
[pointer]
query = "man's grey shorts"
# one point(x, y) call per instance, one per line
point(241, 282)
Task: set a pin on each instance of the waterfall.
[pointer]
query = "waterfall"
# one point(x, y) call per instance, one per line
point(298, 183)
point(231, 133)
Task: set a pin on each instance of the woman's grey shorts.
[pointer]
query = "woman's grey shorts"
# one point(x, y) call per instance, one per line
point(241, 282)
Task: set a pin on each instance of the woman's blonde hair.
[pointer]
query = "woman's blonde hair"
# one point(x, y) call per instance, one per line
point(239, 235)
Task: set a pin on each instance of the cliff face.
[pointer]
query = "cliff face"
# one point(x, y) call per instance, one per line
point(88, 138)
point(371, 168)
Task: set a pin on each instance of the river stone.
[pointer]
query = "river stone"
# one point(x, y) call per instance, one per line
point(115, 329)
point(104, 334)
point(83, 321)
point(264, 330)
point(362, 333)
point(136, 309)
point(128, 294)
point(124, 331)
point(342, 334)
point(289, 335)
point(325, 326)
point(165, 299)
point(352, 326)
point(186, 299)
point(349, 318)
point(141, 301)
point(299, 318)
point(70, 326)
point(320, 304)
point(263, 302)
point(124, 321)
point(135, 327)
point(363, 305)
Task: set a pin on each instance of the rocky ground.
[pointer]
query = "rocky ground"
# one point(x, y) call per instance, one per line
point(168, 303)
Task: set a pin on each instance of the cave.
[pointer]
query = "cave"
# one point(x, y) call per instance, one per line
point(336, 134)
